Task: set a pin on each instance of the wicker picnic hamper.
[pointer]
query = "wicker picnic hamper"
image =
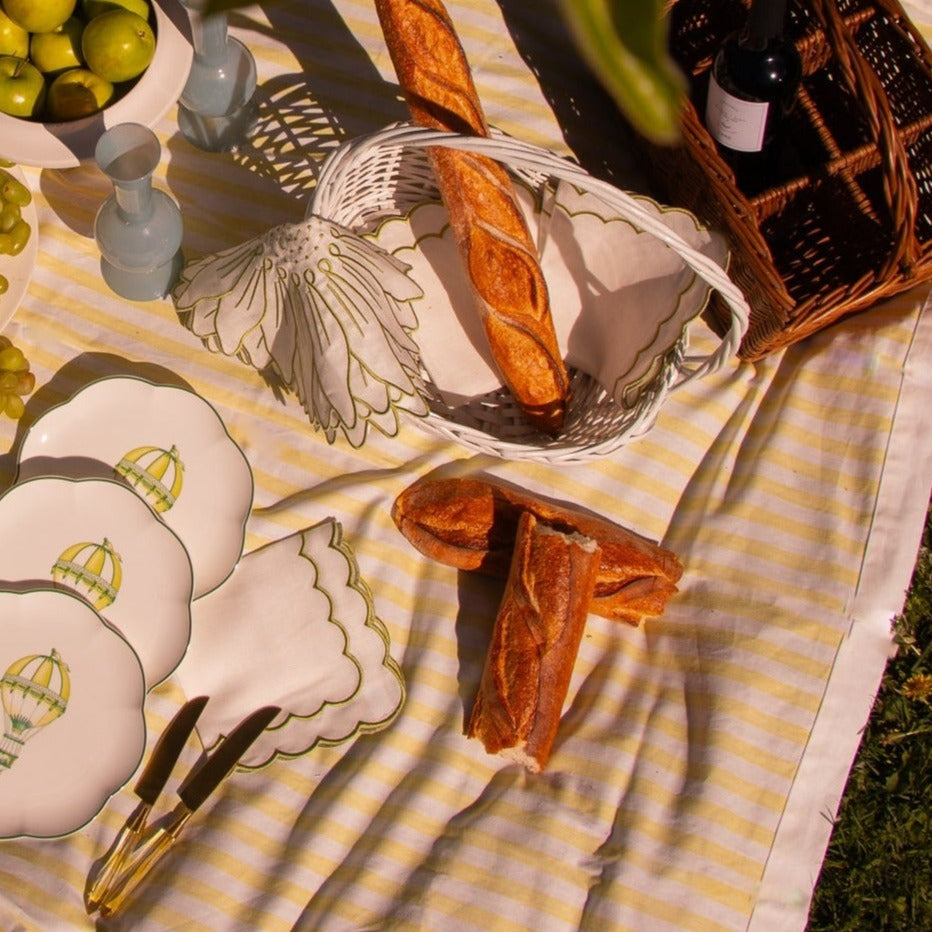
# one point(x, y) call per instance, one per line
point(850, 220)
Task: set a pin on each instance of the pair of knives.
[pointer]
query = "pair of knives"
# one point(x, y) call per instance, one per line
point(136, 852)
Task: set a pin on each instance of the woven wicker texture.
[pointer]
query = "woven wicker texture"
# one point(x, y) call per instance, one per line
point(847, 221)
point(387, 173)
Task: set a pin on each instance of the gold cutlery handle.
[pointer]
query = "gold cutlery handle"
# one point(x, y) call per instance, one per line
point(152, 849)
point(126, 841)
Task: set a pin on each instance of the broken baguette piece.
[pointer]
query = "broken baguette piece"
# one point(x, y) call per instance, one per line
point(472, 524)
point(535, 642)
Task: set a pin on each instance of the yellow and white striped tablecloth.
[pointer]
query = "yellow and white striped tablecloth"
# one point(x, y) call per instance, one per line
point(700, 758)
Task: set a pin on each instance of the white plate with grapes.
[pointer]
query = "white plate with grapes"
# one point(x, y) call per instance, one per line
point(16, 208)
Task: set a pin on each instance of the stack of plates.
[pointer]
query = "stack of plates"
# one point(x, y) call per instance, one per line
point(131, 500)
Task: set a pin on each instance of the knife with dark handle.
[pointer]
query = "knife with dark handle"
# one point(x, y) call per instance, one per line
point(204, 778)
point(150, 784)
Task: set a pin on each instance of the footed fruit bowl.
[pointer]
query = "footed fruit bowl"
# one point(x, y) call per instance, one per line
point(145, 99)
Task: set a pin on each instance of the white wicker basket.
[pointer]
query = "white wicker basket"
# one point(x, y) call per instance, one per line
point(387, 173)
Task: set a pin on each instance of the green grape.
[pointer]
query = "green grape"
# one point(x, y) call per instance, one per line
point(4, 284)
point(25, 383)
point(13, 190)
point(9, 215)
point(13, 406)
point(14, 242)
point(12, 359)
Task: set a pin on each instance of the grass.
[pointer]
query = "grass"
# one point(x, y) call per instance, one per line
point(877, 873)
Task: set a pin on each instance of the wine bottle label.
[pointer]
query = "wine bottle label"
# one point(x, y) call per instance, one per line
point(733, 122)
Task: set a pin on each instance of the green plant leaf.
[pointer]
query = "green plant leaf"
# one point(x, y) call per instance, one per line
point(624, 42)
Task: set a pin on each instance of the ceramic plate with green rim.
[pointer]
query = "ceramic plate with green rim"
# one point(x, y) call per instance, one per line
point(169, 446)
point(99, 540)
point(72, 693)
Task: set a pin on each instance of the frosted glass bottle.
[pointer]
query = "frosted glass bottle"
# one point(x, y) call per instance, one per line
point(217, 107)
point(138, 228)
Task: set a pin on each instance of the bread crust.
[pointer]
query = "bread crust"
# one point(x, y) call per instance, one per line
point(490, 232)
point(534, 643)
point(472, 524)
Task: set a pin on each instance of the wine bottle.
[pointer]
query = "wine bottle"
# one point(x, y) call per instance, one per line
point(753, 84)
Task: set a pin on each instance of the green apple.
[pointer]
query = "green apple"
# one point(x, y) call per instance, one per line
point(77, 93)
point(22, 87)
point(92, 8)
point(58, 50)
point(118, 45)
point(14, 40)
point(39, 15)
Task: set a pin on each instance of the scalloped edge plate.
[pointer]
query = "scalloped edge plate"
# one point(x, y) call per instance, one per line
point(171, 447)
point(98, 539)
point(66, 769)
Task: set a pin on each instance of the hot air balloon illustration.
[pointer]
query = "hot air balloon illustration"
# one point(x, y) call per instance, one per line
point(158, 473)
point(93, 570)
point(35, 692)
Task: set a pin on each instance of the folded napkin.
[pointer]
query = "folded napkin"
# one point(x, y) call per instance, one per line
point(293, 626)
point(324, 310)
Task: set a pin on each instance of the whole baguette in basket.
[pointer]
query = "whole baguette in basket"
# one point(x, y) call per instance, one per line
point(489, 229)
point(472, 524)
point(534, 644)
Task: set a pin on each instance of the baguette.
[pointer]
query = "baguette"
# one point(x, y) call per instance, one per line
point(472, 524)
point(534, 643)
point(490, 232)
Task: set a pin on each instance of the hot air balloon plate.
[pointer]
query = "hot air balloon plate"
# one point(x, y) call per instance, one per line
point(99, 540)
point(72, 691)
point(168, 445)
point(18, 269)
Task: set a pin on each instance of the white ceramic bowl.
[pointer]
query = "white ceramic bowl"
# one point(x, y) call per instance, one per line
point(66, 145)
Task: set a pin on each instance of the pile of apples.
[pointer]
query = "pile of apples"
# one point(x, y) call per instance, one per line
point(62, 60)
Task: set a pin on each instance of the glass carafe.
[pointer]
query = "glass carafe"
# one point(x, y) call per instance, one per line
point(138, 228)
point(217, 107)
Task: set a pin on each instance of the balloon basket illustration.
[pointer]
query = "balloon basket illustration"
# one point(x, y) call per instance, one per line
point(35, 691)
point(157, 473)
point(93, 570)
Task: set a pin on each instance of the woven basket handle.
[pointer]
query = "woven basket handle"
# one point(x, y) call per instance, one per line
point(516, 154)
point(899, 183)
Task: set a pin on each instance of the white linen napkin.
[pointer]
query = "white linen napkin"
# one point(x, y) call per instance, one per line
point(620, 299)
point(293, 626)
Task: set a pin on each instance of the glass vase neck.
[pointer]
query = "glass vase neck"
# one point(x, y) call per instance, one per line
point(128, 155)
point(210, 37)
